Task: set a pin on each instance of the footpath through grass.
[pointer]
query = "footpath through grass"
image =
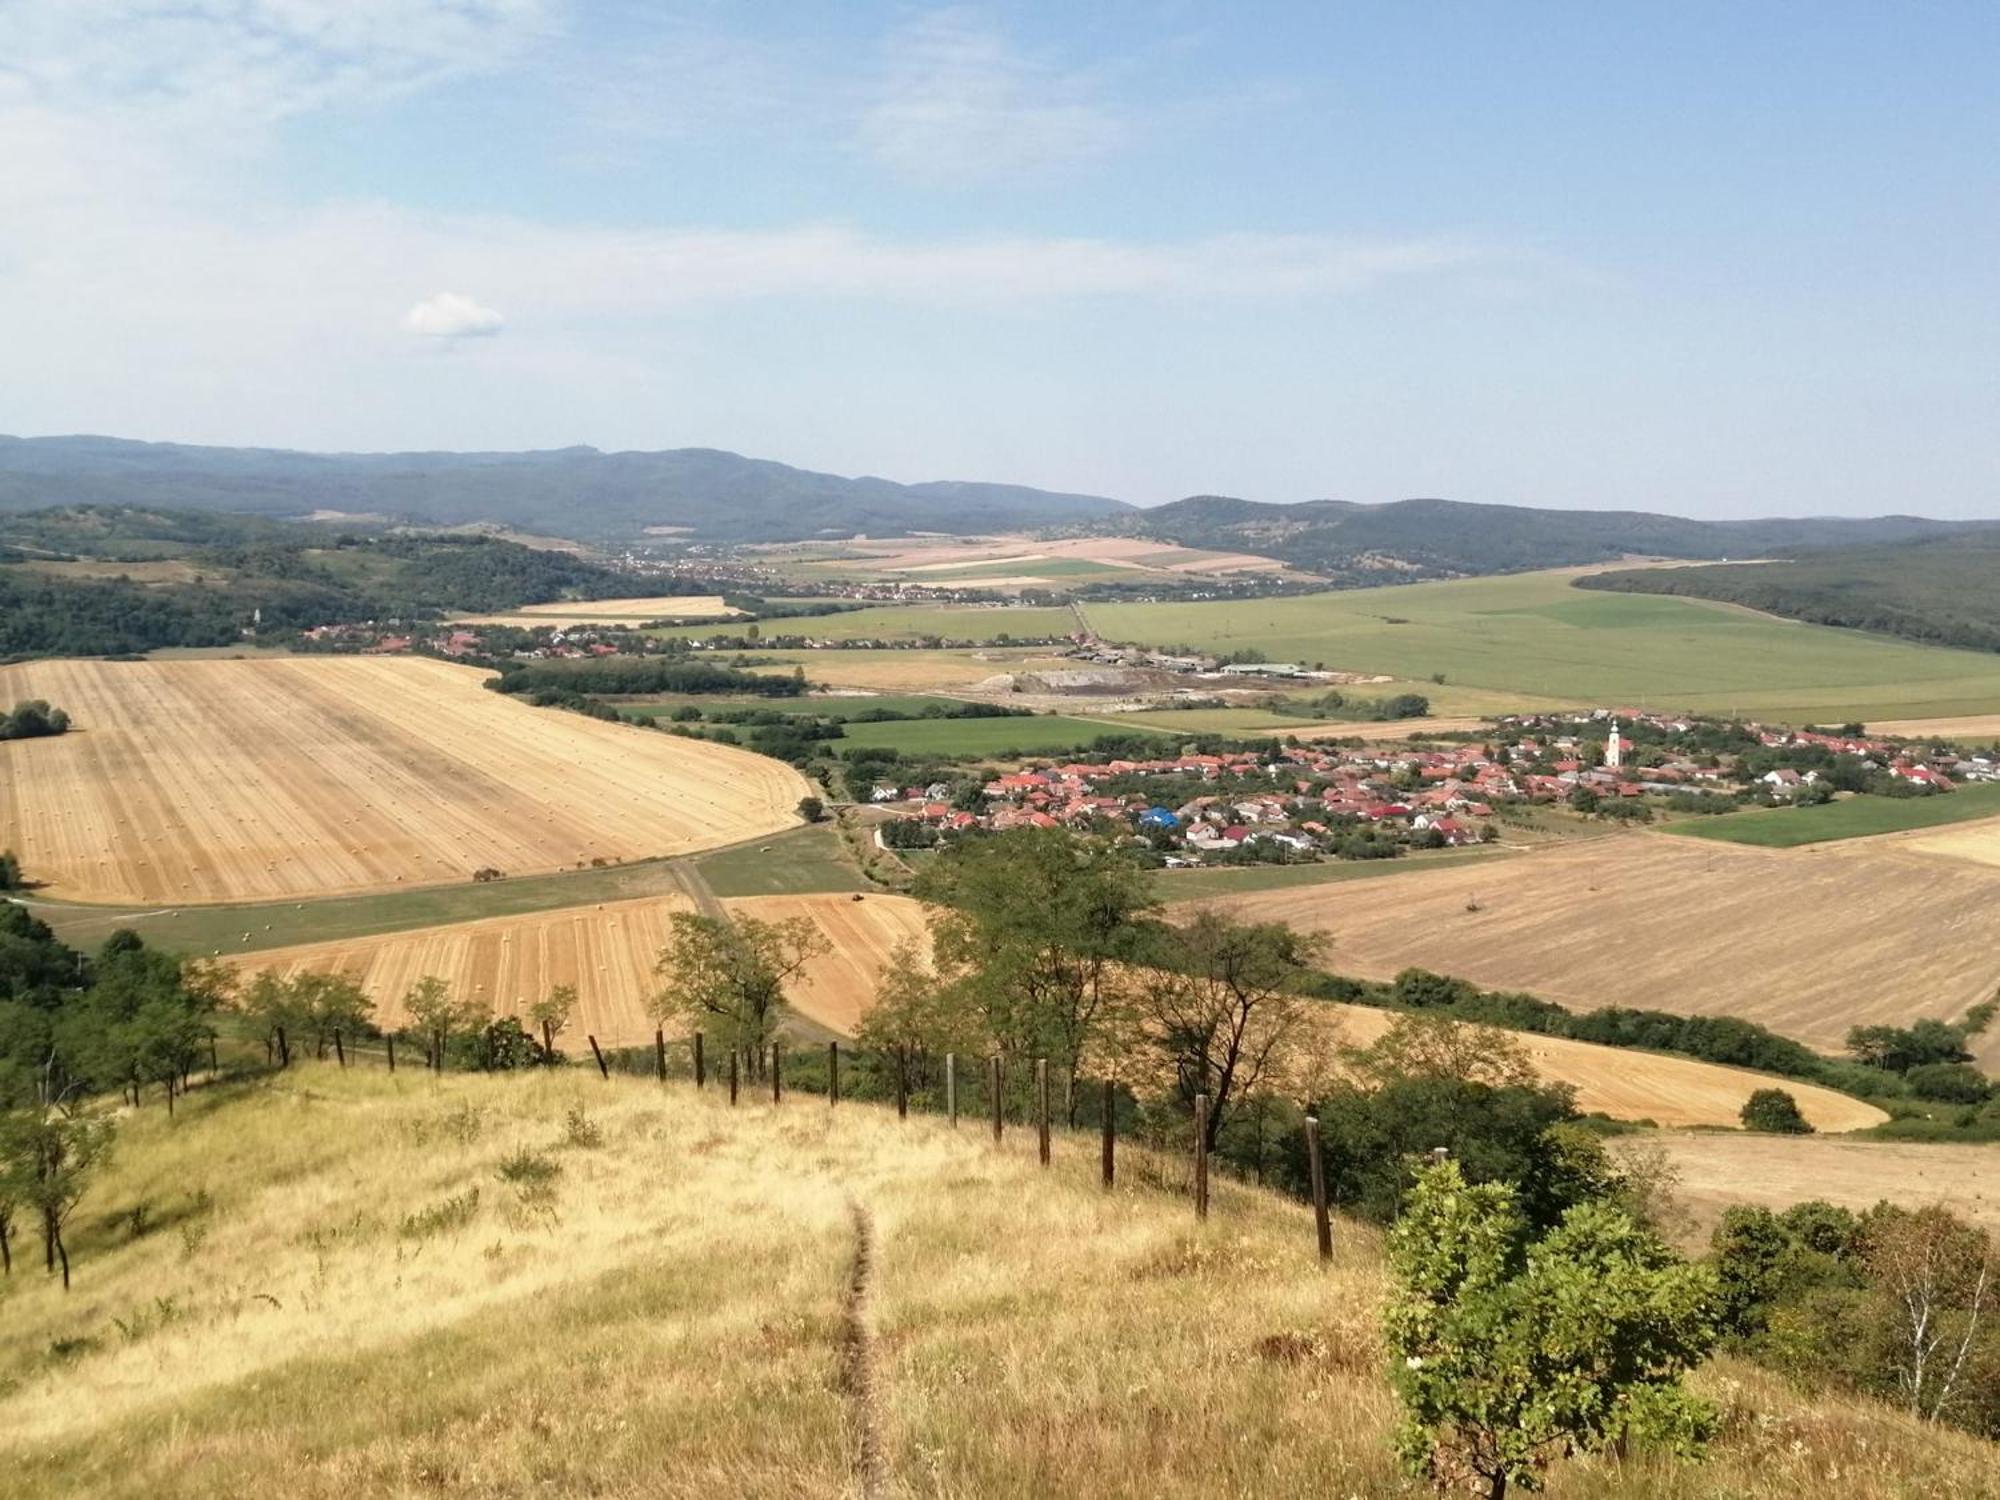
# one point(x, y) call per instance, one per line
point(1855, 817)
point(344, 1283)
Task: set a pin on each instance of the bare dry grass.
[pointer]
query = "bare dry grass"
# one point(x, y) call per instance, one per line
point(1809, 942)
point(312, 1316)
point(197, 781)
point(1979, 842)
point(902, 671)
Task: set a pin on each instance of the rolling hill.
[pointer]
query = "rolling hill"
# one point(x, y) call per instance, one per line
point(596, 496)
point(346, 1282)
point(1444, 538)
point(1938, 589)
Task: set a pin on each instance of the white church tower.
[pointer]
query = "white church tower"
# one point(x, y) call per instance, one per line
point(1614, 749)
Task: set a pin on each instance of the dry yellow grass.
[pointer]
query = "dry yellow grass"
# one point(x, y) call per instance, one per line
point(607, 951)
point(1808, 942)
point(305, 1319)
point(1136, 553)
point(608, 612)
point(1779, 1170)
point(195, 781)
point(861, 936)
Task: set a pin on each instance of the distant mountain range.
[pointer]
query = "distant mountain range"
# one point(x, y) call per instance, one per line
point(1441, 538)
point(705, 494)
point(575, 492)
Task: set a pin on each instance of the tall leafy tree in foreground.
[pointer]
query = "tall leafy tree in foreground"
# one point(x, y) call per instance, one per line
point(551, 1014)
point(729, 975)
point(436, 1015)
point(918, 1015)
point(47, 1159)
point(1510, 1351)
point(1045, 929)
point(1222, 1005)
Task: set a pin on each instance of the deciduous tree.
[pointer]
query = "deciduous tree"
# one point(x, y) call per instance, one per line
point(731, 973)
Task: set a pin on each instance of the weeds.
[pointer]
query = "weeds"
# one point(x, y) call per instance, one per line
point(448, 1217)
point(148, 1321)
point(581, 1131)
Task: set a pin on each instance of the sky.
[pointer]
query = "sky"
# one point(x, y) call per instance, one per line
point(1710, 258)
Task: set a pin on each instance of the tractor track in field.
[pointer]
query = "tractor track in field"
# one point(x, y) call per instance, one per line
point(871, 1468)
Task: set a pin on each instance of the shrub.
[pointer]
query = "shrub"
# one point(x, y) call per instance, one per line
point(448, 1217)
point(1774, 1111)
point(1949, 1083)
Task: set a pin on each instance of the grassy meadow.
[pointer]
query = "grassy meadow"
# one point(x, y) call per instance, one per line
point(1528, 636)
point(1534, 634)
point(1854, 817)
point(347, 1283)
point(1034, 735)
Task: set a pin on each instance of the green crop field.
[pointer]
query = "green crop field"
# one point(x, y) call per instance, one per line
point(810, 859)
point(1037, 735)
point(835, 706)
point(1856, 817)
point(1235, 880)
point(904, 622)
point(1533, 633)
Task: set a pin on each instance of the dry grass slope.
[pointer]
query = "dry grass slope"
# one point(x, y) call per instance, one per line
point(197, 781)
point(311, 1316)
point(1809, 942)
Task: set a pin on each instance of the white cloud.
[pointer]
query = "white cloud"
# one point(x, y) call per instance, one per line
point(452, 315)
point(959, 100)
point(264, 59)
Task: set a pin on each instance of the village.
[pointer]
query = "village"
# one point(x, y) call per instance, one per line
point(1304, 801)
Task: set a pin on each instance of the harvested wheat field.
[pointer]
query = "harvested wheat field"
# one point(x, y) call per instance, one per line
point(862, 933)
point(606, 951)
point(1979, 842)
point(196, 781)
point(1973, 729)
point(1808, 942)
point(1777, 1171)
point(627, 612)
point(1628, 1085)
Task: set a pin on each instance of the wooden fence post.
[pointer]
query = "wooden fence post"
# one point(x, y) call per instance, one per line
point(951, 1087)
point(1201, 1156)
point(660, 1052)
point(598, 1053)
point(214, 1060)
point(339, 1051)
point(732, 1075)
point(1317, 1169)
point(1110, 1125)
point(777, 1075)
point(902, 1088)
point(390, 1038)
point(700, 1063)
point(998, 1124)
point(284, 1050)
point(833, 1072)
point(1042, 1109)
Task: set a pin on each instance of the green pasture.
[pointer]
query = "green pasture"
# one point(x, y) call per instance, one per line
point(838, 706)
point(903, 622)
point(1855, 817)
point(1040, 734)
point(1236, 880)
point(1535, 634)
point(788, 864)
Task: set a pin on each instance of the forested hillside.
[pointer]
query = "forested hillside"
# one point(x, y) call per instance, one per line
point(1945, 591)
point(574, 491)
point(278, 581)
point(1446, 538)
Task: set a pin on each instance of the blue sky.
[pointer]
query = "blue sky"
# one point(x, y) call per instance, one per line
point(1720, 259)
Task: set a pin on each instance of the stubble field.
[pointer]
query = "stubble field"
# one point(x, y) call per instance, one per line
point(200, 781)
point(608, 951)
point(625, 612)
point(1808, 942)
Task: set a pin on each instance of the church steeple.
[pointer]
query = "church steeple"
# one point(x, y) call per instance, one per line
point(1614, 748)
